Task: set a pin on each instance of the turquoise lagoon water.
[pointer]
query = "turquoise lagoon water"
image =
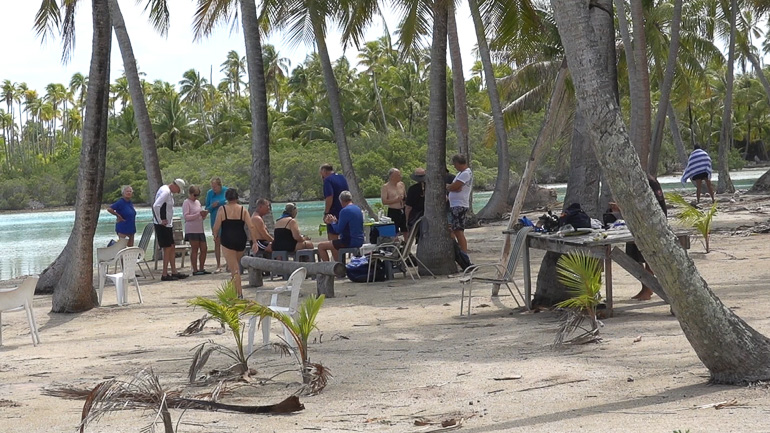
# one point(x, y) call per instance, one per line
point(30, 241)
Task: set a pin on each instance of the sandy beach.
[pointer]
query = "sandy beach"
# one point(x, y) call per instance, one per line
point(403, 360)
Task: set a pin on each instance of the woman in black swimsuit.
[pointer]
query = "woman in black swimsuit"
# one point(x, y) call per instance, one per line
point(233, 219)
point(287, 235)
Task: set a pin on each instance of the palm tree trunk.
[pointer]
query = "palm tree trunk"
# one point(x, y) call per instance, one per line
point(643, 75)
point(458, 87)
point(497, 204)
point(338, 122)
point(379, 103)
point(554, 114)
point(665, 90)
point(676, 135)
point(141, 115)
point(70, 276)
point(260, 180)
point(435, 247)
point(732, 351)
point(725, 183)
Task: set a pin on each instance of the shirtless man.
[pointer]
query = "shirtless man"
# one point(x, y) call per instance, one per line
point(264, 238)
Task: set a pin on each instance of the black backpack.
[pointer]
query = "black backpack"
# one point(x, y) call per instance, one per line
point(575, 217)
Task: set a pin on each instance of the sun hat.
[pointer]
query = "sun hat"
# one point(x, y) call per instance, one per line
point(418, 175)
point(180, 183)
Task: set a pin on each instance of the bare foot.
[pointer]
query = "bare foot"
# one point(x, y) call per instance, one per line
point(644, 295)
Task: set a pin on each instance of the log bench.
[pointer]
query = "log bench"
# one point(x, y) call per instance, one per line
point(325, 272)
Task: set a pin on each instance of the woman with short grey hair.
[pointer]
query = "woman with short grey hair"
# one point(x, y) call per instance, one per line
point(123, 209)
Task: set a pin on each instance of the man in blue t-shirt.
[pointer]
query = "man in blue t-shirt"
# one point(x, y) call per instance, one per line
point(334, 184)
point(350, 227)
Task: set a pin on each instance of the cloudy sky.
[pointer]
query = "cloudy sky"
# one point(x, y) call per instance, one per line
point(25, 58)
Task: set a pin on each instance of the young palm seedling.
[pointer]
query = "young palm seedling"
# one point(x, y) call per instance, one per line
point(314, 375)
point(694, 217)
point(581, 274)
point(230, 311)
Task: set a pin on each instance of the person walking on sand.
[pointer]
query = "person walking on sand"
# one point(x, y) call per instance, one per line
point(215, 198)
point(194, 215)
point(162, 217)
point(123, 209)
point(699, 169)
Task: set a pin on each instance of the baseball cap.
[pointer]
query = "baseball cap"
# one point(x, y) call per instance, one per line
point(180, 183)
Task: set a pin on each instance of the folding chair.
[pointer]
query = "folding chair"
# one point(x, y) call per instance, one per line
point(503, 271)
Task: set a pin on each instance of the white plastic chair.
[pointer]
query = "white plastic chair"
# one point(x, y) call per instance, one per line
point(129, 258)
point(20, 298)
point(292, 286)
point(106, 257)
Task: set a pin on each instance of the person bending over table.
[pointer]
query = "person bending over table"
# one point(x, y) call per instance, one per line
point(350, 227)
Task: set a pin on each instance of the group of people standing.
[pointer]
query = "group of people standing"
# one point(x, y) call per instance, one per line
point(232, 226)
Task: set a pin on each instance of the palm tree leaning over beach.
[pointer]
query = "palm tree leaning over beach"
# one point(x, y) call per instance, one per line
point(70, 276)
point(733, 352)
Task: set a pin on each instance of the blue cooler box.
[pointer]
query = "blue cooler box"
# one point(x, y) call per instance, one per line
point(387, 230)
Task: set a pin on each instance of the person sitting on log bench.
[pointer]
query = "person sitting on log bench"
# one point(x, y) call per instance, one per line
point(350, 227)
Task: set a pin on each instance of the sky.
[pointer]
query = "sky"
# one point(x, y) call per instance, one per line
point(25, 58)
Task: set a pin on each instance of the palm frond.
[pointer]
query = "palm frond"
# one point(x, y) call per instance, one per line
point(159, 15)
point(47, 19)
point(581, 274)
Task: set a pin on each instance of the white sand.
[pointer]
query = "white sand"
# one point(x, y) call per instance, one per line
point(400, 352)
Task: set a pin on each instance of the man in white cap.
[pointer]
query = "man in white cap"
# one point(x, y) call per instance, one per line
point(162, 217)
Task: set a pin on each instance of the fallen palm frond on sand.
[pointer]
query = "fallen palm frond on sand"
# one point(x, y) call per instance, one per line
point(144, 392)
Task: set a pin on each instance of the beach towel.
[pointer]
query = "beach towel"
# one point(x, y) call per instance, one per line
point(699, 162)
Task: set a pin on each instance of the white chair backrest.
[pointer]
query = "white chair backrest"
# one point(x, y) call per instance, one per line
point(11, 299)
point(108, 254)
point(130, 256)
point(295, 282)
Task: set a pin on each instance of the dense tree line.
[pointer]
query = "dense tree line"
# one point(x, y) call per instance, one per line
point(203, 129)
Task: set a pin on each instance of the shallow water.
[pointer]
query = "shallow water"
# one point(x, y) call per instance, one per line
point(30, 241)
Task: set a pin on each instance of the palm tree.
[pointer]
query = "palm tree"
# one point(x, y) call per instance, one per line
point(276, 71)
point(79, 86)
point(192, 89)
point(731, 350)
point(205, 19)
point(233, 68)
point(8, 94)
point(725, 183)
point(435, 247)
point(497, 203)
point(70, 276)
point(143, 124)
point(307, 21)
point(172, 124)
point(665, 90)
